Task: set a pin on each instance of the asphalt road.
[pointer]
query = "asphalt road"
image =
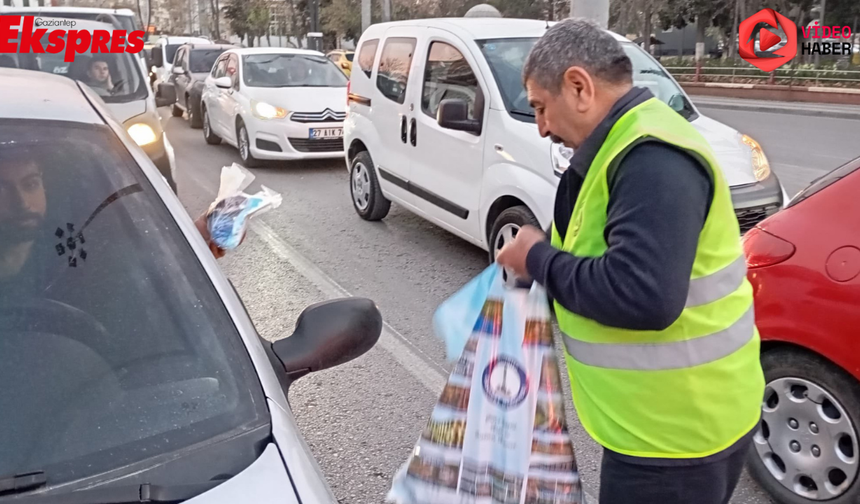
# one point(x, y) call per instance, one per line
point(362, 419)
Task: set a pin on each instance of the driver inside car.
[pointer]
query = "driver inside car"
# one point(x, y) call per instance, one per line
point(23, 205)
point(99, 78)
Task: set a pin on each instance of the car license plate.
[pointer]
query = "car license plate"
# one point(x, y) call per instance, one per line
point(321, 133)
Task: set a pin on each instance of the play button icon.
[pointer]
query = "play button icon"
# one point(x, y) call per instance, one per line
point(767, 39)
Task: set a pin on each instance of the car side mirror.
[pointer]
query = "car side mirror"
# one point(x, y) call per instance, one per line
point(454, 114)
point(157, 57)
point(329, 334)
point(224, 82)
point(166, 95)
point(178, 70)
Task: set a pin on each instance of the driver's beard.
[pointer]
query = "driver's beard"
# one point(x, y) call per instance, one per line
point(12, 233)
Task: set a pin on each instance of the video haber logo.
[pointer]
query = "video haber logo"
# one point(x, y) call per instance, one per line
point(764, 58)
point(59, 40)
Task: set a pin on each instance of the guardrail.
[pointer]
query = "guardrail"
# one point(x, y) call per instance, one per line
point(786, 76)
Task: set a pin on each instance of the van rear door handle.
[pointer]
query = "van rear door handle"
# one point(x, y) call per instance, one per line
point(403, 129)
point(413, 132)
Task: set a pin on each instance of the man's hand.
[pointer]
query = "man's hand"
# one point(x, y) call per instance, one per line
point(217, 251)
point(513, 255)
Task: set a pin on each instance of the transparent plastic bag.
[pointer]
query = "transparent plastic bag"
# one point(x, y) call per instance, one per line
point(497, 434)
point(227, 218)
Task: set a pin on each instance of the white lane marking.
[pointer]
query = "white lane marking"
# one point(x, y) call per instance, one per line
point(403, 351)
point(391, 341)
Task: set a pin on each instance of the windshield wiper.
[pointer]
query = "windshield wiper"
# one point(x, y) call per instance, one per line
point(22, 482)
point(130, 494)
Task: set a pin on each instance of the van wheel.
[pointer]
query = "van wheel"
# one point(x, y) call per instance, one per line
point(210, 137)
point(177, 112)
point(507, 224)
point(367, 196)
point(244, 142)
point(806, 448)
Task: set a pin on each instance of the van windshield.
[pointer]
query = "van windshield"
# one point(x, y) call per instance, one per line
point(506, 58)
point(115, 77)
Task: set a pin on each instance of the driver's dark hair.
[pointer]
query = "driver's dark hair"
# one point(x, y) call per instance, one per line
point(577, 42)
point(97, 59)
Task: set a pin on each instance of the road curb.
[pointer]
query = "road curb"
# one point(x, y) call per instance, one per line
point(837, 114)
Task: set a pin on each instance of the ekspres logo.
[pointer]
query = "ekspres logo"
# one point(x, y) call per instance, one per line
point(26, 34)
point(769, 55)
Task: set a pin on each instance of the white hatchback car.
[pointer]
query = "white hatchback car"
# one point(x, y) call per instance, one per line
point(477, 165)
point(274, 103)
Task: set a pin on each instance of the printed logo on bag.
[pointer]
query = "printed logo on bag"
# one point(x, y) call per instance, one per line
point(505, 382)
point(760, 42)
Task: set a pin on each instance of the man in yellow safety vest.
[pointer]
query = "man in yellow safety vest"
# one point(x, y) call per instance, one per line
point(645, 268)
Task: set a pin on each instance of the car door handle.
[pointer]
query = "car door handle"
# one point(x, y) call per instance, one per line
point(413, 133)
point(403, 129)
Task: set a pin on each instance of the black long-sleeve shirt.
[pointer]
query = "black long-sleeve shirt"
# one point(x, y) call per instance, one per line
point(659, 197)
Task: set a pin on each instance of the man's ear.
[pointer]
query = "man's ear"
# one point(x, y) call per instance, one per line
point(577, 80)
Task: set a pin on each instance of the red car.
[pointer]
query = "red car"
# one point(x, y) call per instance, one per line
point(804, 265)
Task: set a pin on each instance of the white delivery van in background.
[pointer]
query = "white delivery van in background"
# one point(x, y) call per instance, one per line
point(438, 122)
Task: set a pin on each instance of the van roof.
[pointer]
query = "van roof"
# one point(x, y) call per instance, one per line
point(482, 28)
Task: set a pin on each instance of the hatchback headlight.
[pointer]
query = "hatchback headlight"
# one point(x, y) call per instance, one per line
point(761, 166)
point(561, 157)
point(142, 134)
point(263, 110)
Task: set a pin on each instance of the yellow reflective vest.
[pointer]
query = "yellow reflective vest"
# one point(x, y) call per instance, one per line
point(695, 388)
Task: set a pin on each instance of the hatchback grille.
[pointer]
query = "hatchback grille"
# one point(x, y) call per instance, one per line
point(749, 217)
point(325, 145)
point(327, 115)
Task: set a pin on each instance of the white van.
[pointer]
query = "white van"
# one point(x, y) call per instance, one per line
point(438, 122)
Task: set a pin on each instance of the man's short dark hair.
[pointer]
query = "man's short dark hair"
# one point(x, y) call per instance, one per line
point(97, 60)
point(577, 42)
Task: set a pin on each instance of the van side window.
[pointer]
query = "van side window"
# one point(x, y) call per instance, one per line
point(447, 76)
point(366, 56)
point(392, 74)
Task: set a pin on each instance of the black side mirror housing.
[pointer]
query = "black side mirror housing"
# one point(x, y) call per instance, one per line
point(454, 114)
point(329, 334)
point(157, 57)
point(166, 95)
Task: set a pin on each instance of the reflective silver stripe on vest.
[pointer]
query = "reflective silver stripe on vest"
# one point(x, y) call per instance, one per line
point(659, 356)
point(717, 285)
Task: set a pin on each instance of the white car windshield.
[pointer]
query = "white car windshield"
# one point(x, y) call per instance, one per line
point(115, 77)
point(115, 348)
point(506, 58)
point(290, 70)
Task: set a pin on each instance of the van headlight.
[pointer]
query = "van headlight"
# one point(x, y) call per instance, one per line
point(263, 110)
point(142, 134)
point(561, 157)
point(761, 166)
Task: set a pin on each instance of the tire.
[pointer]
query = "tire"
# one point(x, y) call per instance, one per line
point(826, 402)
point(177, 112)
point(367, 198)
point(210, 137)
point(195, 118)
point(509, 221)
point(243, 141)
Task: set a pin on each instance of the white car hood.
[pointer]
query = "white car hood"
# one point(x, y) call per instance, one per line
point(125, 111)
point(733, 156)
point(264, 481)
point(310, 99)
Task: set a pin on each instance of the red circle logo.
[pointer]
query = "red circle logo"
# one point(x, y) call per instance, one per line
point(770, 53)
